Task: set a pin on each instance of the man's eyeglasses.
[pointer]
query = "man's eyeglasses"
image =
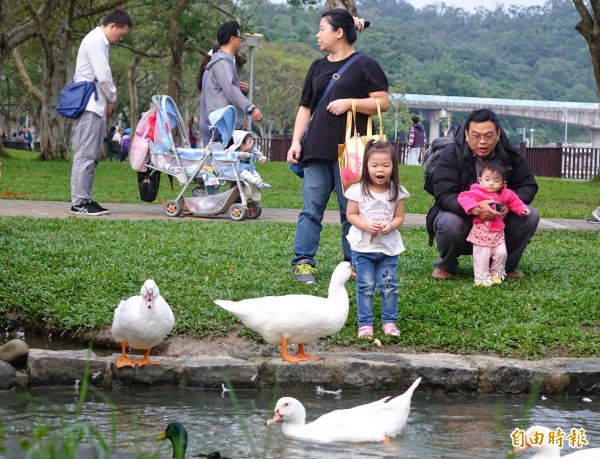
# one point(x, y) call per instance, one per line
point(488, 136)
point(240, 37)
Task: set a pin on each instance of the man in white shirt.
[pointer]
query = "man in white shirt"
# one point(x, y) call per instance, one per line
point(88, 130)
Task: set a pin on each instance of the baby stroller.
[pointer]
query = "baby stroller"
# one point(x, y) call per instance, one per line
point(207, 168)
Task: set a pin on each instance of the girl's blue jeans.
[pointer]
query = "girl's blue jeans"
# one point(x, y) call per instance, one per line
point(372, 269)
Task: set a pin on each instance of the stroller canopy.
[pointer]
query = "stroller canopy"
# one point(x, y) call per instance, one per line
point(223, 119)
point(169, 120)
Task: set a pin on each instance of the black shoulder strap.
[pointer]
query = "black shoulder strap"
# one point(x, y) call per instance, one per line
point(336, 76)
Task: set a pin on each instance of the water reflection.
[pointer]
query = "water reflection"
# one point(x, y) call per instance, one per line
point(440, 426)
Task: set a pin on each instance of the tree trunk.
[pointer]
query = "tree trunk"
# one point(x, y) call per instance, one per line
point(589, 29)
point(131, 84)
point(10, 39)
point(56, 130)
point(177, 43)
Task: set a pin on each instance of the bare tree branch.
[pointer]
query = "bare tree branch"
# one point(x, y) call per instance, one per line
point(143, 52)
point(99, 8)
point(586, 24)
point(221, 10)
point(31, 88)
point(29, 28)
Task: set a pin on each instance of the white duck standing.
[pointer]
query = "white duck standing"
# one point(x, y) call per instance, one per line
point(296, 319)
point(546, 448)
point(373, 422)
point(141, 322)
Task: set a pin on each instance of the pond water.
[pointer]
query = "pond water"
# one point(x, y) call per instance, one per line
point(439, 425)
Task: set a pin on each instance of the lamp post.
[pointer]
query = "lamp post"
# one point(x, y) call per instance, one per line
point(251, 42)
point(531, 142)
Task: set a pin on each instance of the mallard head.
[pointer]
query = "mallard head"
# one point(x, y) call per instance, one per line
point(176, 433)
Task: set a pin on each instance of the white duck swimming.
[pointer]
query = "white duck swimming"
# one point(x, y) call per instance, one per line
point(548, 449)
point(141, 322)
point(296, 319)
point(377, 421)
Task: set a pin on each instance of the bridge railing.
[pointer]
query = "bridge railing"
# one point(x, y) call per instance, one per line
point(276, 147)
point(580, 163)
point(564, 162)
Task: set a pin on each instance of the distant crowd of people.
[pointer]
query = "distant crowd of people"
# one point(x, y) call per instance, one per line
point(24, 136)
point(117, 140)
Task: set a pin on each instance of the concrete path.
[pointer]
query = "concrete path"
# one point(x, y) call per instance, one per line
point(143, 211)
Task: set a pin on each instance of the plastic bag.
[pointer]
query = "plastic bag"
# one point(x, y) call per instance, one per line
point(139, 150)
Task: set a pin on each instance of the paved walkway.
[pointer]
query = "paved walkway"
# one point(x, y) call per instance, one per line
point(143, 211)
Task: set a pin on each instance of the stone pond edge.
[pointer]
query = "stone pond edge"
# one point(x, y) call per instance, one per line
point(347, 371)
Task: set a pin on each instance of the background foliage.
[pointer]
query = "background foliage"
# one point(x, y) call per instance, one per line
point(521, 53)
point(518, 52)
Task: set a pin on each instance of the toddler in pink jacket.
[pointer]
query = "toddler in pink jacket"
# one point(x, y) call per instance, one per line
point(487, 236)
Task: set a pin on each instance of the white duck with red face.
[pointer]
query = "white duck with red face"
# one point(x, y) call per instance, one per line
point(141, 322)
point(374, 422)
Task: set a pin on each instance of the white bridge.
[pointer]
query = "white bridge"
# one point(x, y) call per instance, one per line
point(585, 115)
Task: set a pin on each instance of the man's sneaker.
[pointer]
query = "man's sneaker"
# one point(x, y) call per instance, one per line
point(103, 210)
point(85, 209)
point(305, 273)
point(595, 218)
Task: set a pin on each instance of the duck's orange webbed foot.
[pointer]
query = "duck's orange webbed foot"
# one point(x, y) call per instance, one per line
point(303, 355)
point(285, 355)
point(124, 361)
point(145, 360)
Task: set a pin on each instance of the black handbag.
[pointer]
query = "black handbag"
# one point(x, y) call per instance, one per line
point(148, 183)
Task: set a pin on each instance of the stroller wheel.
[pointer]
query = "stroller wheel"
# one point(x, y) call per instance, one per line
point(173, 208)
point(254, 210)
point(237, 212)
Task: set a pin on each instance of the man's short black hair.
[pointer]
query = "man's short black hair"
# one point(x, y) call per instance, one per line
point(482, 115)
point(226, 31)
point(119, 17)
point(415, 119)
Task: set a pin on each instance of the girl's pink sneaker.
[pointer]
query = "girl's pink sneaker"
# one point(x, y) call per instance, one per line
point(390, 330)
point(366, 331)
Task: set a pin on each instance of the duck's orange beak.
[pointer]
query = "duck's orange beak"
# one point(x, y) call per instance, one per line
point(276, 418)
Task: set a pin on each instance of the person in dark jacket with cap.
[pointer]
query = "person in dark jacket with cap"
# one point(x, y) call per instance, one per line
point(478, 140)
point(416, 142)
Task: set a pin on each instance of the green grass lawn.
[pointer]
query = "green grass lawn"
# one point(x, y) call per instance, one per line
point(69, 275)
point(24, 177)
